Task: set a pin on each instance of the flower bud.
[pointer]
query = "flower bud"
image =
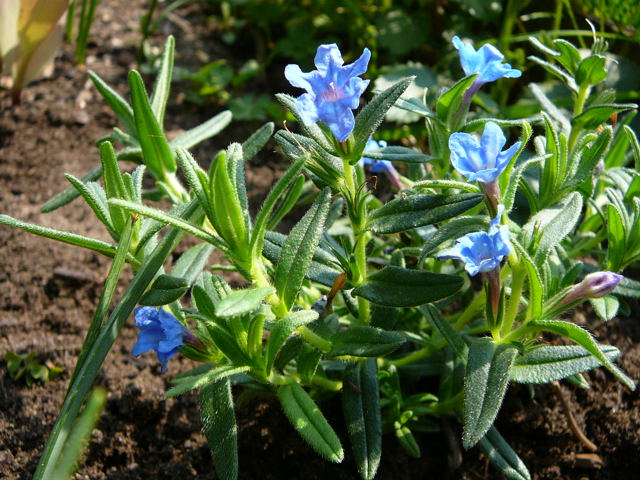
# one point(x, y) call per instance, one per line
point(598, 284)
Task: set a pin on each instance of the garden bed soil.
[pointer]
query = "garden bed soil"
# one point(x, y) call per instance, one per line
point(48, 292)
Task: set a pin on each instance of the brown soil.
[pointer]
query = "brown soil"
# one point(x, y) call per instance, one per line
point(48, 292)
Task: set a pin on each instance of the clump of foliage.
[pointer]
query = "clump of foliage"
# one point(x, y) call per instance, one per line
point(29, 368)
point(480, 252)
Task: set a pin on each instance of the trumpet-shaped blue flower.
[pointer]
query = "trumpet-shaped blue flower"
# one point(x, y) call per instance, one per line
point(486, 62)
point(482, 251)
point(333, 90)
point(482, 161)
point(159, 331)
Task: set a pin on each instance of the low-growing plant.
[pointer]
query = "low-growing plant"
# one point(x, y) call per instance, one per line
point(482, 250)
point(28, 368)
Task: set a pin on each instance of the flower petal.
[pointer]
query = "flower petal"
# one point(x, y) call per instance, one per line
point(328, 57)
point(354, 69)
point(491, 144)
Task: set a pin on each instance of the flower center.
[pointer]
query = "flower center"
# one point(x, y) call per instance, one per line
point(332, 94)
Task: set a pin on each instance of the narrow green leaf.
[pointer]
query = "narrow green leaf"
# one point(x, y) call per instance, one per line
point(324, 267)
point(606, 307)
point(591, 70)
point(70, 194)
point(616, 236)
point(397, 154)
point(113, 183)
point(298, 249)
point(446, 184)
point(401, 287)
point(585, 340)
point(219, 425)
point(373, 113)
point(554, 362)
point(162, 87)
point(281, 332)
point(122, 110)
point(307, 419)
point(212, 376)
point(633, 139)
point(595, 115)
point(260, 227)
point(202, 132)
point(240, 302)
point(485, 384)
point(503, 457)
point(165, 289)
point(66, 237)
point(191, 262)
point(450, 101)
point(258, 139)
point(93, 194)
point(419, 210)
point(453, 338)
point(361, 406)
point(514, 180)
point(361, 341)
point(158, 155)
point(536, 287)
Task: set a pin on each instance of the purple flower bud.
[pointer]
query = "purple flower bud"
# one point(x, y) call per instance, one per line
point(160, 331)
point(333, 90)
point(594, 285)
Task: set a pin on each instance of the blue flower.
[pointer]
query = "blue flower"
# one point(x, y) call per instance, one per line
point(486, 62)
point(482, 161)
point(482, 251)
point(376, 166)
point(333, 90)
point(159, 331)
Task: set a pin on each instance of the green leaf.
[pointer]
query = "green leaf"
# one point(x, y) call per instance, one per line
point(260, 227)
point(585, 340)
point(361, 406)
point(361, 341)
point(373, 113)
point(407, 440)
point(453, 338)
point(219, 425)
point(419, 210)
point(591, 70)
point(553, 224)
point(449, 102)
point(397, 154)
point(307, 419)
point(485, 384)
point(595, 115)
point(113, 183)
point(536, 287)
point(446, 184)
point(298, 249)
point(66, 237)
point(606, 307)
point(191, 262)
point(158, 155)
point(401, 287)
point(240, 302)
point(93, 194)
point(569, 55)
point(503, 457)
point(281, 332)
point(514, 180)
point(554, 362)
point(122, 110)
point(252, 145)
point(161, 89)
point(68, 195)
point(616, 236)
point(567, 79)
point(324, 268)
point(202, 132)
point(633, 139)
point(196, 381)
point(165, 289)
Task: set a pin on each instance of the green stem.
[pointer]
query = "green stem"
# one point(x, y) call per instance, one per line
point(412, 357)
point(314, 339)
point(470, 312)
point(517, 283)
point(332, 385)
point(583, 93)
point(364, 309)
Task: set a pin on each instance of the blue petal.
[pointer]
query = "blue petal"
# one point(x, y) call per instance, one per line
point(338, 118)
point(145, 317)
point(300, 79)
point(505, 157)
point(147, 340)
point(164, 358)
point(354, 69)
point(354, 91)
point(484, 176)
point(328, 57)
point(306, 108)
point(490, 54)
point(491, 144)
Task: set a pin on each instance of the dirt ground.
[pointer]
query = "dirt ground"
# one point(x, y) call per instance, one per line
point(48, 292)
